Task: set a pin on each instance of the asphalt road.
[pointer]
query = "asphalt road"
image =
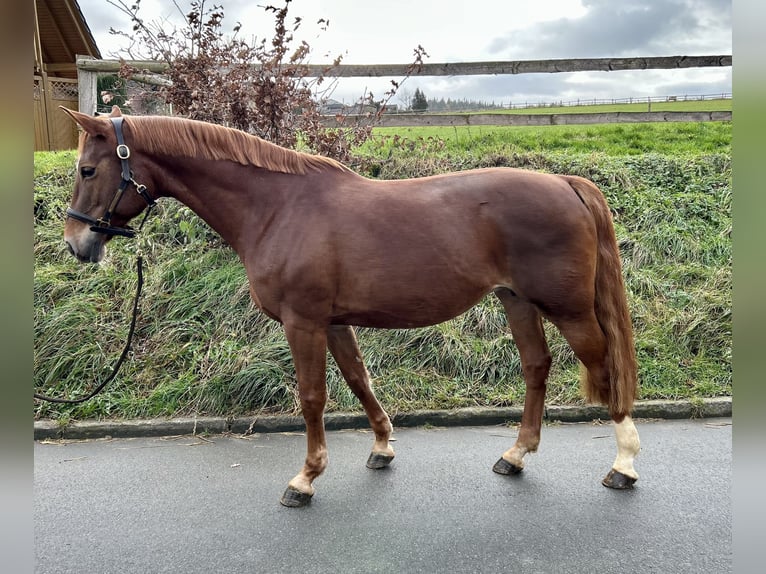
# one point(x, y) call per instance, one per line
point(187, 504)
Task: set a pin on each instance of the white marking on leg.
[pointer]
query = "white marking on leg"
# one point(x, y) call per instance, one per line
point(628, 446)
point(301, 483)
point(515, 455)
point(382, 445)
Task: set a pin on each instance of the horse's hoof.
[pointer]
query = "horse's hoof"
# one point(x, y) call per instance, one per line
point(502, 466)
point(615, 479)
point(294, 498)
point(378, 461)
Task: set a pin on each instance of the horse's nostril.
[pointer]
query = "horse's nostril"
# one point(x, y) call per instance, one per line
point(69, 246)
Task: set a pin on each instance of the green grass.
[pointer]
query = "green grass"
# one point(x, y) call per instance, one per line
point(473, 143)
point(719, 105)
point(201, 347)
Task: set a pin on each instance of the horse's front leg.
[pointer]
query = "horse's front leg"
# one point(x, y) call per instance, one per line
point(308, 344)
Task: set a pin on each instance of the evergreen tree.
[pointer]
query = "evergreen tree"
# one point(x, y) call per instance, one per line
point(419, 101)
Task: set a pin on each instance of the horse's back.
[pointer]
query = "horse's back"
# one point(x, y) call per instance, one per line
point(420, 251)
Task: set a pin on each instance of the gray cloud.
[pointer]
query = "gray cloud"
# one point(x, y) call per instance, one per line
point(625, 28)
point(608, 28)
point(618, 29)
point(566, 87)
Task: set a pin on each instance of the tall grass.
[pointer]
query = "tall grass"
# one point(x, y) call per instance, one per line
point(201, 347)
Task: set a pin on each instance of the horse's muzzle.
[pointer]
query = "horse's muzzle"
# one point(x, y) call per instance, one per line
point(92, 254)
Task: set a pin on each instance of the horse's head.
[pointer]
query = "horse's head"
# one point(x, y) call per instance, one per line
point(101, 205)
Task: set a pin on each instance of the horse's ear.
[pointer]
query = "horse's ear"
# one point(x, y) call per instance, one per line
point(116, 113)
point(92, 125)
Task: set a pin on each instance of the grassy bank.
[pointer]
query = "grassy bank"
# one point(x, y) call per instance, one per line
point(202, 348)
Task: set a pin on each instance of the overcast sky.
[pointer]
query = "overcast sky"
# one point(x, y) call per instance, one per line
point(466, 31)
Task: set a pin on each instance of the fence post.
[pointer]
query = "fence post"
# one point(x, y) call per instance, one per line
point(86, 89)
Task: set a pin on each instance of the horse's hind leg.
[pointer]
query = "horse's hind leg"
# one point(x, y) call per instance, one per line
point(343, 345)
point(588, 342)
point(526, 326)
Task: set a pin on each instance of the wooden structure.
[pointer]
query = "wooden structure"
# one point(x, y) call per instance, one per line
point(465, 68)
point(151, 72)
point(61, 35)
point(500, 119)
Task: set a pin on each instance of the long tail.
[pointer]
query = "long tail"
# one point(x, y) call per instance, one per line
point(611, 310)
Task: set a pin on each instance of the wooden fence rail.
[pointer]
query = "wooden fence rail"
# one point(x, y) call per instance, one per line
point(479, 119)
point(462, 68)
point(89, 69)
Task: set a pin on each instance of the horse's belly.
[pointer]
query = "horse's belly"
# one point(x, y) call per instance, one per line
point(405, 309)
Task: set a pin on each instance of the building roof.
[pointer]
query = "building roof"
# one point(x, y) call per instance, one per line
point(61, 34)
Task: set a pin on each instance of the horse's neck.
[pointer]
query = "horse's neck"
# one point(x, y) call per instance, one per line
point(229, 197)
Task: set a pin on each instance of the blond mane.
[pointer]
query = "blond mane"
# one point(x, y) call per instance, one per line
point(189, 138)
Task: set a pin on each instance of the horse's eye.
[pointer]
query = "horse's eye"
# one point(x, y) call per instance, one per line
point(87, 171)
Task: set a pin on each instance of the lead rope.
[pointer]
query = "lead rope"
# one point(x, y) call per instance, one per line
point(123, 356)
point(118, 364)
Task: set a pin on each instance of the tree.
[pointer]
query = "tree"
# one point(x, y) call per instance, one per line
point(261, 87)
point(419, 101)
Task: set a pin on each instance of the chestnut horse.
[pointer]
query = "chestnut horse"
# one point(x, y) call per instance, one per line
point(326, 249)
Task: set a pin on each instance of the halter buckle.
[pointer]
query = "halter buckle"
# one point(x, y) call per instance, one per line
point(103, 223)
point(123, 151)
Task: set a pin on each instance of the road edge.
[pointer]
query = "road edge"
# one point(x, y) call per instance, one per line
point(472, 416)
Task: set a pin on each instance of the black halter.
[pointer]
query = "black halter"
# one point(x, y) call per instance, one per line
point(103, 223)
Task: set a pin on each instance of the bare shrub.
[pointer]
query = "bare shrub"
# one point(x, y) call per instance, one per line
point(264, 87)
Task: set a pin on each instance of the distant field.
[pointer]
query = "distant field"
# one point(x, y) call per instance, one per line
point(612, 139)
point(721, 105)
